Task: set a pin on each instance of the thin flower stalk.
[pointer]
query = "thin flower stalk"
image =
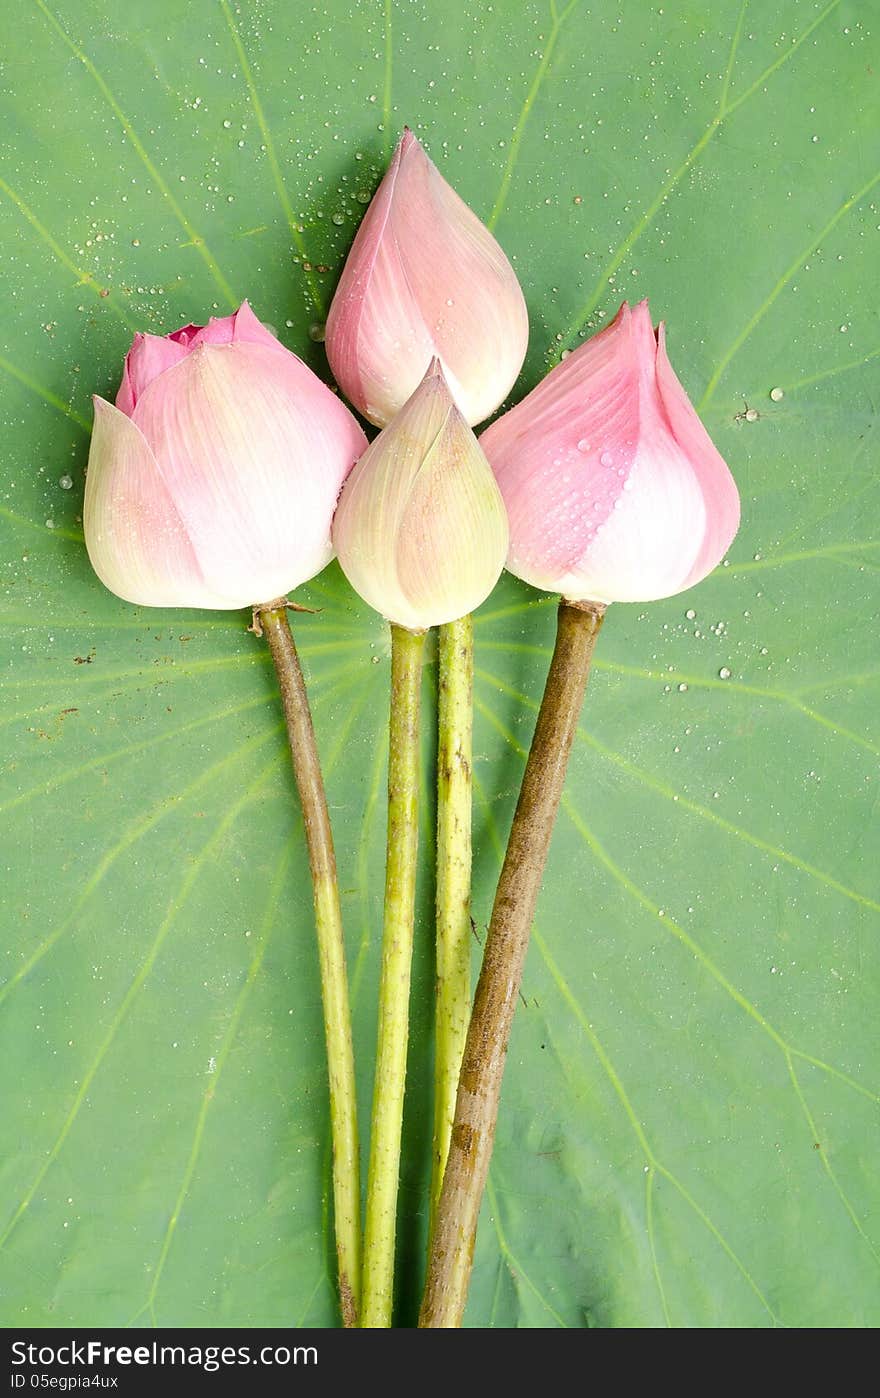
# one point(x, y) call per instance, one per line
point(380, 1230)
point(272, 621)
point(454, 801)
point(479, 1091)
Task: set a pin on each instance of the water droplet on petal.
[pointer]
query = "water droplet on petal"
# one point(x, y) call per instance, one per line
point(583, 444)
point(606, 458)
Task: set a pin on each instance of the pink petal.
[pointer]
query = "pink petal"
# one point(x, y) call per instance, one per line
point(647, 545)
point(136, 539)
point(149, 356)
point(425, 277)
point(665, 509)
point(185, 335)
point(227, 330)
point(720, 495)
point(562, 455)
point(646, 548)
point(253, 449)
point(343, 330)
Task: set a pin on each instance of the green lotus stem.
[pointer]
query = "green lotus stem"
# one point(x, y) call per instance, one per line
point(479, 1091)
point(272, 620)
point(453, 1003)
point(397, 946)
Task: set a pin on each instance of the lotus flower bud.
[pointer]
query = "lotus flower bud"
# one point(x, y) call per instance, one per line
point(421, 530)
point(212, 482)
point(424, 277)
point(613, 489)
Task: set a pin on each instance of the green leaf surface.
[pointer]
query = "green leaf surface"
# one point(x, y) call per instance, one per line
point(689, 1130)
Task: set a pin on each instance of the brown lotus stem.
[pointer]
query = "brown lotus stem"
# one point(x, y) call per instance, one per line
point(479, 1089)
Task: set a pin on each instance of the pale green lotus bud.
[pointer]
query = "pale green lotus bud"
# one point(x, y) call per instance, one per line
point(421, 528)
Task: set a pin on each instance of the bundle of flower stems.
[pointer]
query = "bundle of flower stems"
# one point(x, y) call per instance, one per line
point(227, 474)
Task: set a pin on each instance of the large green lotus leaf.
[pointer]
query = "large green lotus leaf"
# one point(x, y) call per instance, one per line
point(689, 1129)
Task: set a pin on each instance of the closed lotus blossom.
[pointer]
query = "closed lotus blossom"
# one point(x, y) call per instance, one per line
point(421, 531)
point(424, 278)
point(212, 481)
point(614, 490)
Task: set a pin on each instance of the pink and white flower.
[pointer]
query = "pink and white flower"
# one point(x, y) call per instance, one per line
point(614, 490)
point(213, 481)
point(424, 279)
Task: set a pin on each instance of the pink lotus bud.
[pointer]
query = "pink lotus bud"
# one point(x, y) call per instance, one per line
point(613, 489)
point(213, 481)
point(424, 277)
point(421, 530)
